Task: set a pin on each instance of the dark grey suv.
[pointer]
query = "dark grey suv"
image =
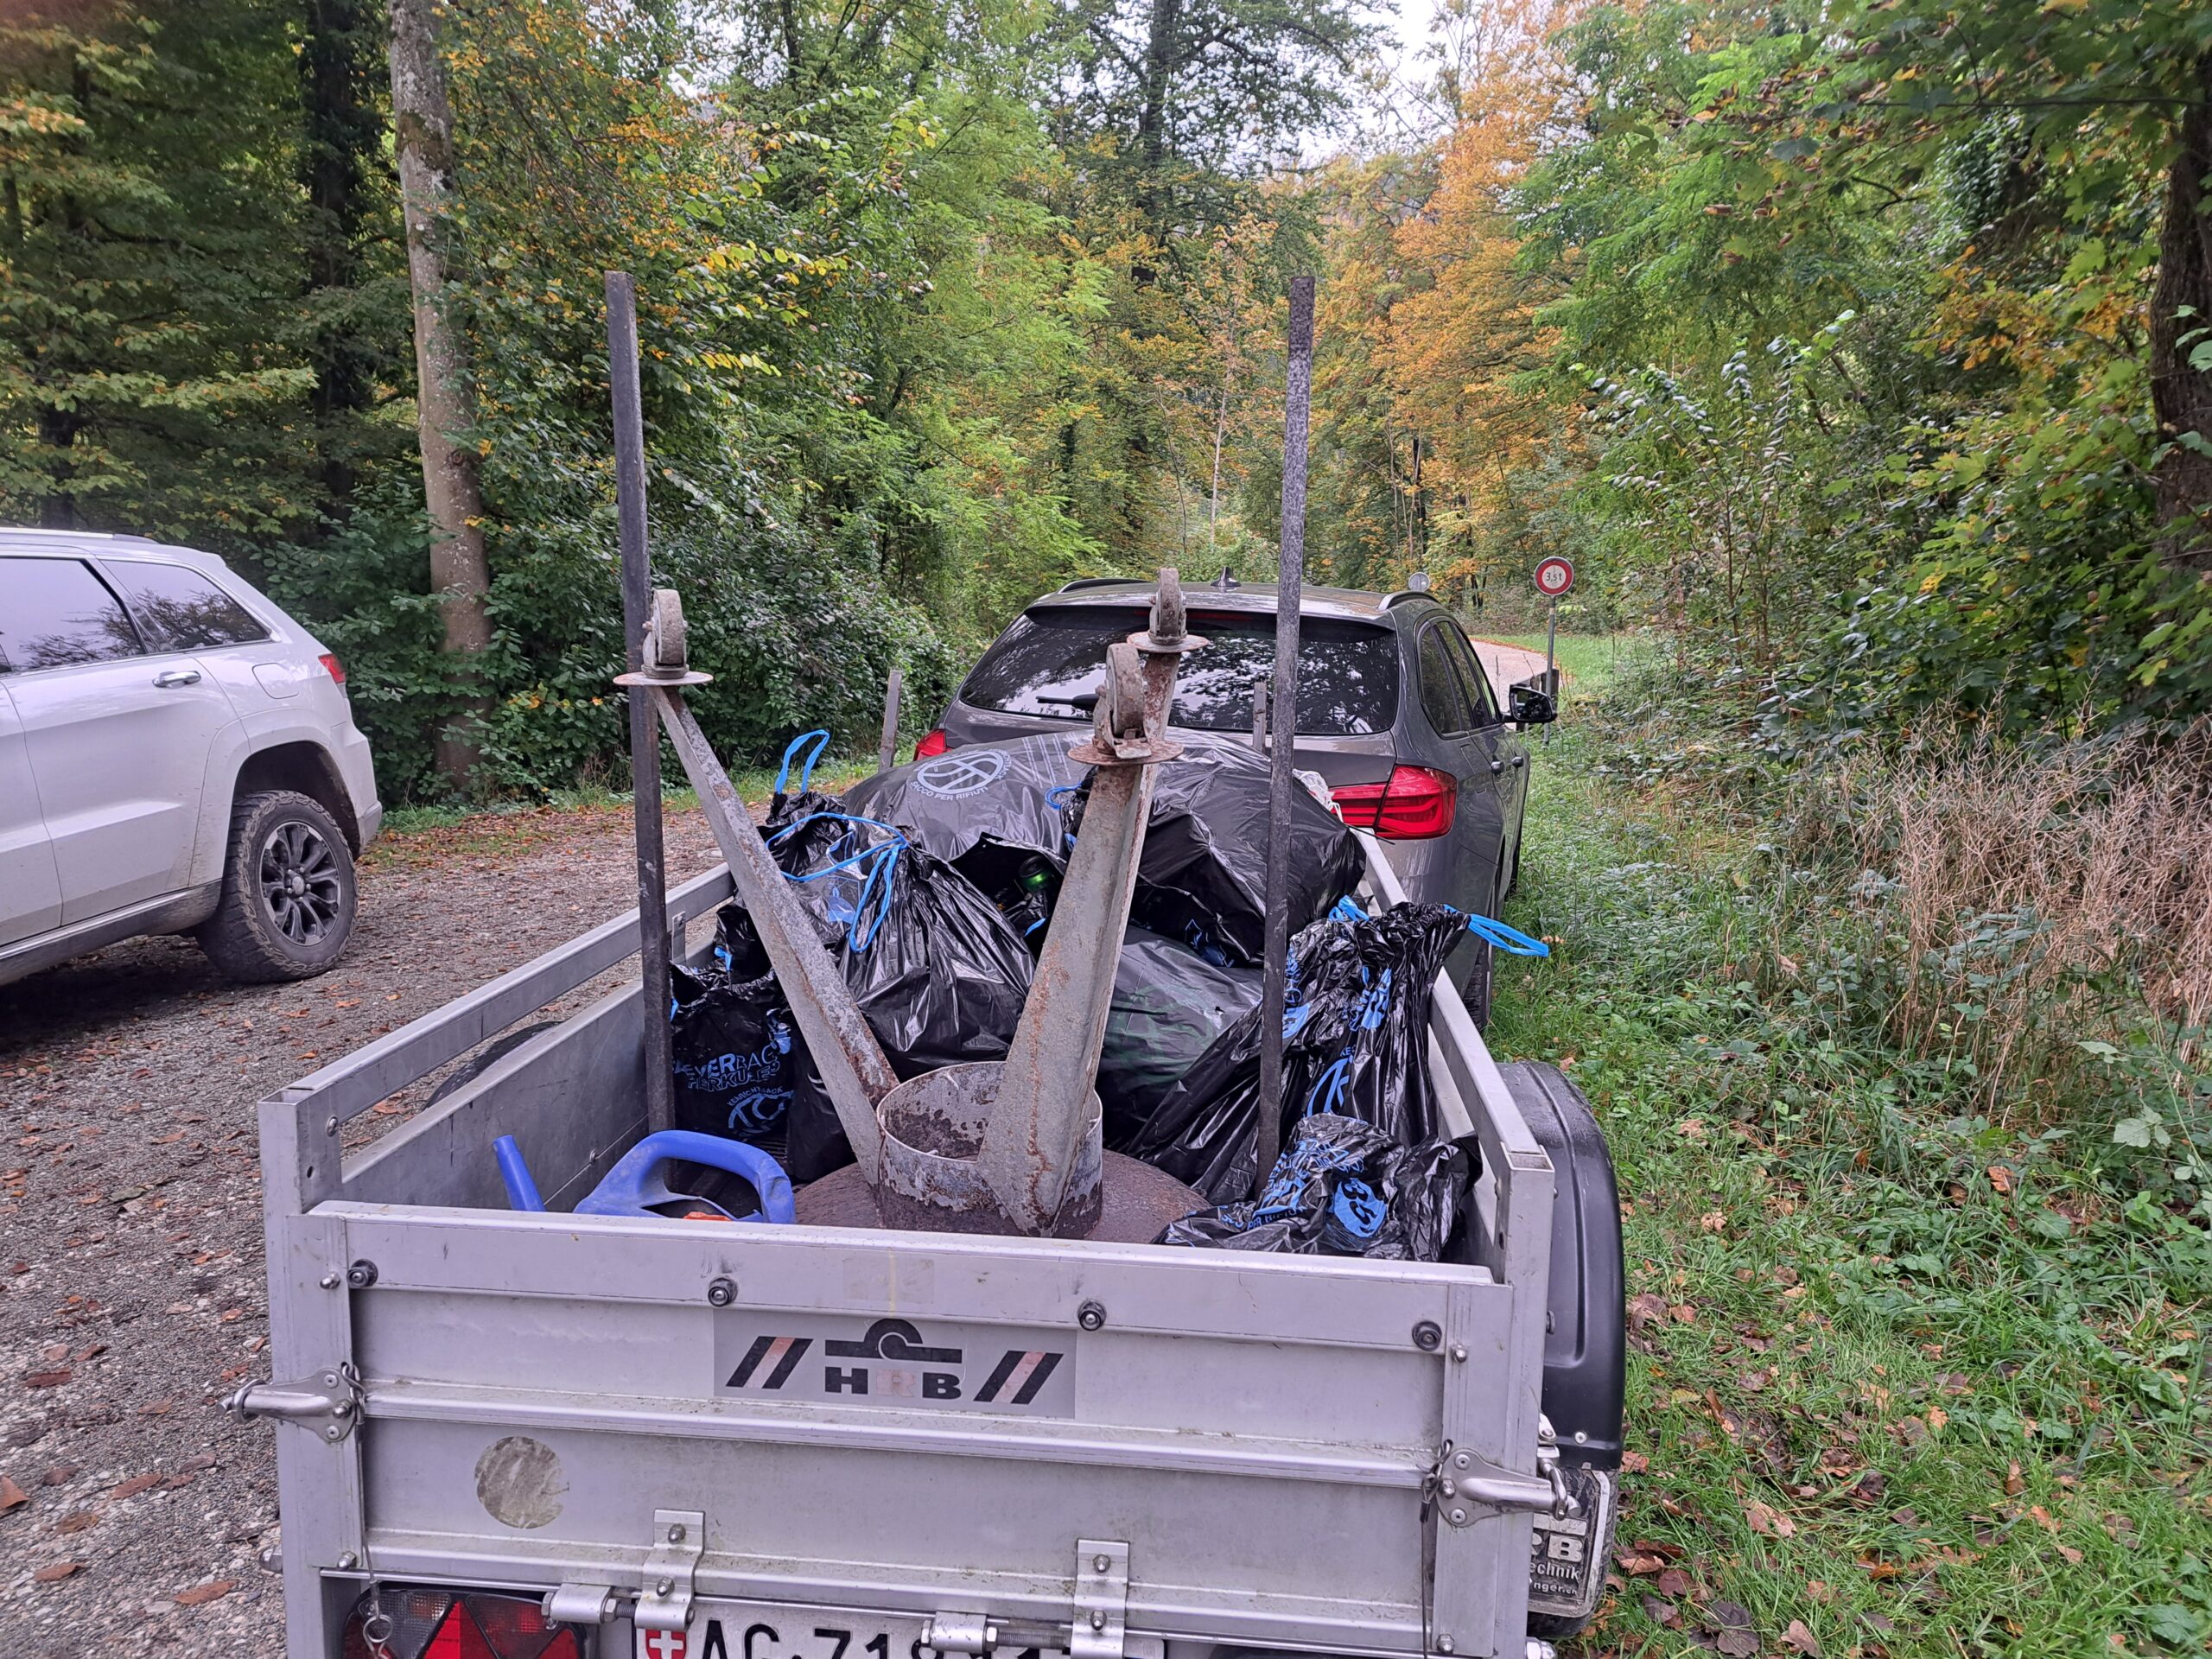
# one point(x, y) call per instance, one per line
point(1393, 711)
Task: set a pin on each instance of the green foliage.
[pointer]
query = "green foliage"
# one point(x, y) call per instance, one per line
point(1903, 1371)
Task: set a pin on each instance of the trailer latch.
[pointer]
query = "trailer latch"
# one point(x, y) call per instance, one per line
point(664, 1593)
point(329, 1401)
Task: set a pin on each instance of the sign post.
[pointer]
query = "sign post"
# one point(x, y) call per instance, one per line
point(1555, 579)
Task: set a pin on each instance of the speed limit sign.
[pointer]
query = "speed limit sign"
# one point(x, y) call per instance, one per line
point(1555, 576)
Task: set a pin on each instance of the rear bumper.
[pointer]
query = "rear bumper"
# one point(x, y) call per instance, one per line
point(357, 771)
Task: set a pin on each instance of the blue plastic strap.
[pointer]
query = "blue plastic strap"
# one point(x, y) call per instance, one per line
point(1511, 940)
point(1347, 910)
point(820, 739)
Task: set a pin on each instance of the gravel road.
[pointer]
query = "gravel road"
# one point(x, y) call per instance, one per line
point(132, 1294)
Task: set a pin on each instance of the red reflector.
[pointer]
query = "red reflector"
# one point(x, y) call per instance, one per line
point(337, 669)
point(1415, 805)
point(931, 743)
point(436, 1625)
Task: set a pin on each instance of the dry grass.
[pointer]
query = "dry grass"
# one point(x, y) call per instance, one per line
point(2041, 900)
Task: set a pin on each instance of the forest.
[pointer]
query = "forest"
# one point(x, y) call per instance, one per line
point(1858, 350)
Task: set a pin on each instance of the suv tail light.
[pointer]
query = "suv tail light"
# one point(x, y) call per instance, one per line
point(1416, 803)
point(932, 743)
point(337, 669)
point(440, 1624)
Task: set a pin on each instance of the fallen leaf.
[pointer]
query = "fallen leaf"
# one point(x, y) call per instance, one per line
point(45, 1379)
point(81, 1520)
point(11, 1495)
point(1637, 1564)
point(1766, 1519)
point(1712, 1221)
point(201, 1595)
point(2014, 1485)
point(1738, 1644)
point(1663, 1612)
point(56, 1573)
point(1634, 1463)
point(135, 1485)
point(59, 1474)
point(2044, 1518)
point(2073, 1555)
point(1821, 1590)
point(1672, 1582)
point(1936, 1418)
point(1801, 1639)
point(1646, 1309)
point(2000, 1178)
point(1729, 1616)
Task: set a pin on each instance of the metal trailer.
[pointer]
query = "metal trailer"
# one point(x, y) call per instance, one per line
point(779, 1442)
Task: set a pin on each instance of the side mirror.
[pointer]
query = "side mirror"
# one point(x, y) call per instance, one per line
point(1533, 708)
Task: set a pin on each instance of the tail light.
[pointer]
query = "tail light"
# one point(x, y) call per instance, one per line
point(1416, 803)
point(932, 743)
point(336, 669)
point(440, 1624)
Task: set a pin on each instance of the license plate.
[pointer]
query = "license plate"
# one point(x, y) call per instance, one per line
point(749, 1629)
point(1566, 1568)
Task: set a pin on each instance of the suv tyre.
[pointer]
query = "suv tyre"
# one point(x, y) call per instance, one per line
point(288, 893)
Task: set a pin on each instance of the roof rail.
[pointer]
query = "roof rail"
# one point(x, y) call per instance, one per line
point(1094, 582)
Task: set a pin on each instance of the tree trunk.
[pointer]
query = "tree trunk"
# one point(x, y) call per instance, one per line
point(343, 132)
point(2181, 396)
point(421, 117)
point(1160, 66)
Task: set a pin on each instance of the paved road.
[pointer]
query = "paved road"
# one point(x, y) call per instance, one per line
point(1506, 665)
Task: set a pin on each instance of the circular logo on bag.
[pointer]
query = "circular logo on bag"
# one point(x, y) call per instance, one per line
point(961, 773)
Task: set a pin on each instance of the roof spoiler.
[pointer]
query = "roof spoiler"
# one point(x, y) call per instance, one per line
point(1097, 582)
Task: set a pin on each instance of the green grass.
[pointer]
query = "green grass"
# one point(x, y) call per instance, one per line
point(1917, 1407)
point(1587, 658)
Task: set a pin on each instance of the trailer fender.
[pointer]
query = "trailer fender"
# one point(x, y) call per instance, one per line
point(1585, 1343)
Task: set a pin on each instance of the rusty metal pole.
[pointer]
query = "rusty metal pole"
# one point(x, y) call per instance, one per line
point(887, 752)
point(1290, 577)
point(644, 728)
point(1045, 1110)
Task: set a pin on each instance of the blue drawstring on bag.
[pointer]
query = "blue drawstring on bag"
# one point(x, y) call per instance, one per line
point(1512, 940)
point(820, 739)
point(877, 867)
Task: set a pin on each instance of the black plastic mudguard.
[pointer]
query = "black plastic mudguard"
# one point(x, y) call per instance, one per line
point(1585, 1345)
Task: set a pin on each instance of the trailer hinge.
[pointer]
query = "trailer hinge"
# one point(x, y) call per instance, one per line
point(665, 1593)
point(1102, 1600)
point(329, 1401)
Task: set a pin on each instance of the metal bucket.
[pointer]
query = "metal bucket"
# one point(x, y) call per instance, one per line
point(932, 1177)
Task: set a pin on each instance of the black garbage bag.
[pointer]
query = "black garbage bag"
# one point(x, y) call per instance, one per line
point(1354, 1044)
point(1202, 878)
point(1170, 1004)
point(1016, 793)
point(1343, 1187)
point(734, 1044)
point(937, 972)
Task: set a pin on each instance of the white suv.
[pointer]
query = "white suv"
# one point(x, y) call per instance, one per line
point(176, 756)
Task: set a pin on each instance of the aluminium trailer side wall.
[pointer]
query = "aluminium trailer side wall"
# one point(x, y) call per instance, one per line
point(523, 1392)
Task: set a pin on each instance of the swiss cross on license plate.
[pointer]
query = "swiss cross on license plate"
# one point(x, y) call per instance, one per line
point(855, 1360)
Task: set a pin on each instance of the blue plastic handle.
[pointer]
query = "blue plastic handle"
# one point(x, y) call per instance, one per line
point(633, 1186)
point(522, 1191)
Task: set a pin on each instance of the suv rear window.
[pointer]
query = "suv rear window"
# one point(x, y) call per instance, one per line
point(179, 609)
point(1051, 660)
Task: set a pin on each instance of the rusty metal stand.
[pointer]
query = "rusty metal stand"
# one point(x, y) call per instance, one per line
point(1283, 712)
point(644, 735)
